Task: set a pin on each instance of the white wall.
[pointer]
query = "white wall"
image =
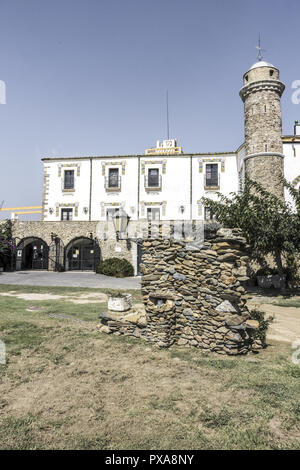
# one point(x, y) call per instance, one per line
point(126, 198)
point(228, 179)
point(79, 196)
point(291, 166)
point(175, 192)
point(240, 161)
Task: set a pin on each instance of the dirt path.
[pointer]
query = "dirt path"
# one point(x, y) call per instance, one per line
point(76, 299)
point(286, 325)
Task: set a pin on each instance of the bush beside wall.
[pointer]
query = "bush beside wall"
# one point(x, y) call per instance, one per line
point(116, 267)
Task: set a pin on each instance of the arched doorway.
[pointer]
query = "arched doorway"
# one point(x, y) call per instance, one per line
point(32, 253)
point(82, 254)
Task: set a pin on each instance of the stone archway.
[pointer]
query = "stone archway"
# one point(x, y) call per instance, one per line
point(32, 253)
point(82, 254)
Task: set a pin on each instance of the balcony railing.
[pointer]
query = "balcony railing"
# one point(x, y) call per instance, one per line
point(153, 183)
point(113, 184)
point(211, 181)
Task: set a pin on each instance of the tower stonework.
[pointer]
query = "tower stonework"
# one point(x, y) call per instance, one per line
point(261, 95)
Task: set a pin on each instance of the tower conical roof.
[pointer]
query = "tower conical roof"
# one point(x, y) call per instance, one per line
point(261, 63)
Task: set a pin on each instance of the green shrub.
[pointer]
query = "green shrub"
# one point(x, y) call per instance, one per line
point(292, 270)
point(117, 293)
point(264, 323)
point(116, 267)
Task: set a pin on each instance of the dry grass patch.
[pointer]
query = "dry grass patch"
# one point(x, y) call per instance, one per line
point(68, 386)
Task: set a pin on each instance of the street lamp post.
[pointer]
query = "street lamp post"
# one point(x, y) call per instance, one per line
point(120, 220)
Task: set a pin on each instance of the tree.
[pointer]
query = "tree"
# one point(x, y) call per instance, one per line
point(7, 246)
point(268, 223)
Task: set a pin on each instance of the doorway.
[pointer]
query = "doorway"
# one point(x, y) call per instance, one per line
point(32, 253)
point(82, 254)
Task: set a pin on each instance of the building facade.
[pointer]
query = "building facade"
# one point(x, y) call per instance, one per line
point(159, 187)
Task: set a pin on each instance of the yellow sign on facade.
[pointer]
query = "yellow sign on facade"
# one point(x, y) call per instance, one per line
point(164, 151)
point(19, 208)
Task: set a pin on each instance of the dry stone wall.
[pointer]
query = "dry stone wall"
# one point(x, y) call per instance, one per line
point(196, 297)
point(193, 297)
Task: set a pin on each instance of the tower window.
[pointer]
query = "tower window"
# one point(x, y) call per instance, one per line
point(246, 78)
point(271, 73)
point(266, 148)
point(265, 109)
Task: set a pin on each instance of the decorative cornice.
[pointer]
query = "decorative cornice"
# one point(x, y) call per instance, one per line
point(264, 154)
point(274, 85)
point(66, 204)
point(112, 163)
point(153, 162)
point(69, 165)
point(106, 157)
point(211, 160)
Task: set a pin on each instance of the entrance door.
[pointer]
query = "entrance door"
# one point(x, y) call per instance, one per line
point(32, 253)
point(82, 254)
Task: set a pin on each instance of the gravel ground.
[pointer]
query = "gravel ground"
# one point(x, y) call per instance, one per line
point(68, 279)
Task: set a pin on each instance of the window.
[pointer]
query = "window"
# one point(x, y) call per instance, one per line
point(153, 177)
point(271, 73)
point(69, 179)
point(111, 212)
point(66, 214)
point(212, 176)
point(153, 213)
point(113, 178)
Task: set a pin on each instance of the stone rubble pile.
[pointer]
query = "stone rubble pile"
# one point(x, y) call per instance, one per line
point(131, 323)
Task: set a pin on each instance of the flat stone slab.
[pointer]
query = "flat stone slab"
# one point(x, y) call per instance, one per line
point(226, 306)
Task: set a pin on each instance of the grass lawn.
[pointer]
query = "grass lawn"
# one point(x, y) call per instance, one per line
point(67, 386)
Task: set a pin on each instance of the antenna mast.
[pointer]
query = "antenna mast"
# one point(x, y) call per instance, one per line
point(168, 130)
point(260, 50)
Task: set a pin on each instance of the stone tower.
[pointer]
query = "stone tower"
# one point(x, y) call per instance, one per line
point(261, 95)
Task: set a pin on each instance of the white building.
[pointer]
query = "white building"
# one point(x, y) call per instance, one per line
point(163, 184)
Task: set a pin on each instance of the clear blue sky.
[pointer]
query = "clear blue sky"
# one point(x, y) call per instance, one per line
point(89, 77)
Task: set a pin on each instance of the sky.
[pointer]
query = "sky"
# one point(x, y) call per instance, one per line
point(89, 77)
